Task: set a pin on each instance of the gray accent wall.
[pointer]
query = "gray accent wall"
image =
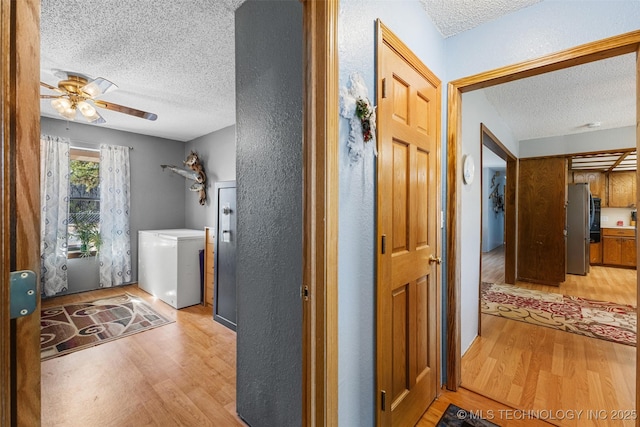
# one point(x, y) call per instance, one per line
point(157, 196)
point(269, 202)
point(217, 153)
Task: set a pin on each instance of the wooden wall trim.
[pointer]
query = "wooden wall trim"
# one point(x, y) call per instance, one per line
point(401, 49)
point(454, 149)
point(602, 49)
point(637, 204)
point(27, 201)
point(321, 189)
point(5, 206)
point(510, 195)
point(589, 52)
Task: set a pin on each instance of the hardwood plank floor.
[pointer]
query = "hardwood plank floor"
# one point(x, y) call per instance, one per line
point(542, 369)
point(182, 374)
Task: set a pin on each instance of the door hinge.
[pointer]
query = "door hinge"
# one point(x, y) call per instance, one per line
point(383, 244)
point(304, 293)
point(384, 88)
point(23, 297)
point(383, 400)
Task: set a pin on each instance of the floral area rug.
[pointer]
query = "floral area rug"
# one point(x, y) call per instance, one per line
point(77, 326)
point(596, 319)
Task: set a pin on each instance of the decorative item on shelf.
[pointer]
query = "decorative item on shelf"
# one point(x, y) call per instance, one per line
point(196, 173)
point(356, 107)
point(496, 197)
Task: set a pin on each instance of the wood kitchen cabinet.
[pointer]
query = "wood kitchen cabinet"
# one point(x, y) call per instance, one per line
point(597, 182)
point(619, 247)
point(208, 266)
point(541, 242)
point(622, 189)
point(595, 253)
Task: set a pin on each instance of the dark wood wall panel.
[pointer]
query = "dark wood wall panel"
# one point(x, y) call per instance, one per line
point(541, 220)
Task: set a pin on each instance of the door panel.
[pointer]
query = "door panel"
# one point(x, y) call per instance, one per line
point(400, 196)
point(541, 243)
point(407, 219)
point(224, 302)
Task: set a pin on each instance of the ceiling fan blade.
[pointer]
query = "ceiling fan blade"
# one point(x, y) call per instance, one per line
point(98, 86)
point(48, 86)
point(126, 110)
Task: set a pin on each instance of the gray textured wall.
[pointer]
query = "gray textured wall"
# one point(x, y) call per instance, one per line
point(157, 196)
point(217, 152)
point(269, 169)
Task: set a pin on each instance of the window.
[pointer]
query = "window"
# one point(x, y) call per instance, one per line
point(84, 202)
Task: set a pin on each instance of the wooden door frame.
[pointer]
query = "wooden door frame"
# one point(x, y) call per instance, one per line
point(510, 197)
point(321, 189)
point(20, 206)
point(510, 200)
point(590, 52)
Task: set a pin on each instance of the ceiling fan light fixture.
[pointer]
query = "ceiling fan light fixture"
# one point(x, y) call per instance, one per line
point(97, 87)
point(89, 112)
point(69, 113)
point(61, 104)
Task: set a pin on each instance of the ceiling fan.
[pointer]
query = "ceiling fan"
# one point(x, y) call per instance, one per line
point(78, 92)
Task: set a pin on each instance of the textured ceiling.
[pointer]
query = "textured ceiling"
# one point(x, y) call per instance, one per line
point(174, 58)
point(565, 101)
point(455, 16)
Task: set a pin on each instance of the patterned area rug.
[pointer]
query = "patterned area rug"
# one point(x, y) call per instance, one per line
point(74, 327)
point(596, 319)
point(457, 417)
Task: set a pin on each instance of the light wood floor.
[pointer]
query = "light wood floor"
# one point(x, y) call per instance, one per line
point(537, 368)
point(182, 374)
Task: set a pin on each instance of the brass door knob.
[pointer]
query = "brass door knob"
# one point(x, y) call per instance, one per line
point(437, 260)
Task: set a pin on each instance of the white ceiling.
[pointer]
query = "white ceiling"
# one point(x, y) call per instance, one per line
point(565, 102)
point(455, 16)
point(175, 58)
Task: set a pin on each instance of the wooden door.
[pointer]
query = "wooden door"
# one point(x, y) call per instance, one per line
point(19, 206)
point(408, 122)
point(541, 220)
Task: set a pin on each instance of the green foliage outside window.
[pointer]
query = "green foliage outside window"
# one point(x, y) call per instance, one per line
point(84, 206)
point(84, 173)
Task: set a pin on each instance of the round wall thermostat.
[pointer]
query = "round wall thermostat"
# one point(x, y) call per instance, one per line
point(468, 169)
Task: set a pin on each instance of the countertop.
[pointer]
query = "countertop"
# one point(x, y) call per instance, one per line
point(624, 227)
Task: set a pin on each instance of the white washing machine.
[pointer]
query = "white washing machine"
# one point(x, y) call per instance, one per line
point(169, 265)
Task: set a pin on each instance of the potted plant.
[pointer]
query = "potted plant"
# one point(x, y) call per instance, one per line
point(88, 232)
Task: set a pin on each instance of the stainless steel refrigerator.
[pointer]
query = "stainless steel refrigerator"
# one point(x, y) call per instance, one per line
point(578, 228)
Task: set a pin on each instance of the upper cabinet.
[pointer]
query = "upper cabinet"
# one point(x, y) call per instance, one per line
point(596, 180)
point(615, 189)
point(622, 189)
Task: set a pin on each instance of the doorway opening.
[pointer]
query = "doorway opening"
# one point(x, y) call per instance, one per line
point(588, 53)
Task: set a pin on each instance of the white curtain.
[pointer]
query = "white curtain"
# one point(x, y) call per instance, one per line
point(115, 252)
point(54, 202)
